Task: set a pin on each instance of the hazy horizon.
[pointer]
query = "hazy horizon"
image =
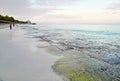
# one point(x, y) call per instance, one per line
point(63, 11)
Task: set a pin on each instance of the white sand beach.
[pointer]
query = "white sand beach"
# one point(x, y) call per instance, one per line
point(21, 60)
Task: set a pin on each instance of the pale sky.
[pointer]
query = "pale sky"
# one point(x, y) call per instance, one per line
point(63, 11)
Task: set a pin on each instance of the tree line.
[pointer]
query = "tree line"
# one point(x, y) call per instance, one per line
point(11, 19)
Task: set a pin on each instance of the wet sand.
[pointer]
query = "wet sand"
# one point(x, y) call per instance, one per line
point(4, 26)
point(22, 60)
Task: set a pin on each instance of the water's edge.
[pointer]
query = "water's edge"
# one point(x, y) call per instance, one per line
point(88, 55)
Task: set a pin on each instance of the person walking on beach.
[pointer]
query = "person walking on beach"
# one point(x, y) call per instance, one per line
point(13, 24)
point(10, 26)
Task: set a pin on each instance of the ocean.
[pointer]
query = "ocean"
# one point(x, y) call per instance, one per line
point(98, 46)
point(98, 33)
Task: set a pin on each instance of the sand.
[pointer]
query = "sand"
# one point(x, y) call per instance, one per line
point(4, 26)
point(22, 60)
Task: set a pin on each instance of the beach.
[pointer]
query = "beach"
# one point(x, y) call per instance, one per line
point(55, 53)
point(4, 26)
point(21, 60)
point(60, 40)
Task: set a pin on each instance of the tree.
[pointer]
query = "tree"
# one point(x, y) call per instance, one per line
point(11, 19)
point(2, 17)
point(7, 18)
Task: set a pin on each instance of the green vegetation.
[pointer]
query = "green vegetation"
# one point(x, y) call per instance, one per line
point(80, 70)
point(76, 66)
point(7, 19)
point(74, 72)
point(76, 75)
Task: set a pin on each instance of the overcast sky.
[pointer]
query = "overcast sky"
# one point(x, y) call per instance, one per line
point(63, 11)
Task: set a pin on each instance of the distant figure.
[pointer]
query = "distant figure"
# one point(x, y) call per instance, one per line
point(13, 24)
point(10, 26)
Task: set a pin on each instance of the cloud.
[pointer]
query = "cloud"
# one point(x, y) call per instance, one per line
point(60, 16)
point(57, 18)
point(13, 6)
point(50, 3)
point(25, 9)
point(17, 8)
point(114, 6)
point(20, 9)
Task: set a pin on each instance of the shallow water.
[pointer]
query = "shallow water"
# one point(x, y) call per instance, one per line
point(99, 42)
point(87, 33)
point(105, 39)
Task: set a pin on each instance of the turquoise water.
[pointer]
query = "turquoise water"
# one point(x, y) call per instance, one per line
point(99, 42)
point(99, 33)
point(77, 36)
point(80, 36)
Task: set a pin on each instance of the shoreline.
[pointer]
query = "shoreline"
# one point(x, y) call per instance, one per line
point(21, 60)
point(64, 60)
point(83, 61)
point(2, 26)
